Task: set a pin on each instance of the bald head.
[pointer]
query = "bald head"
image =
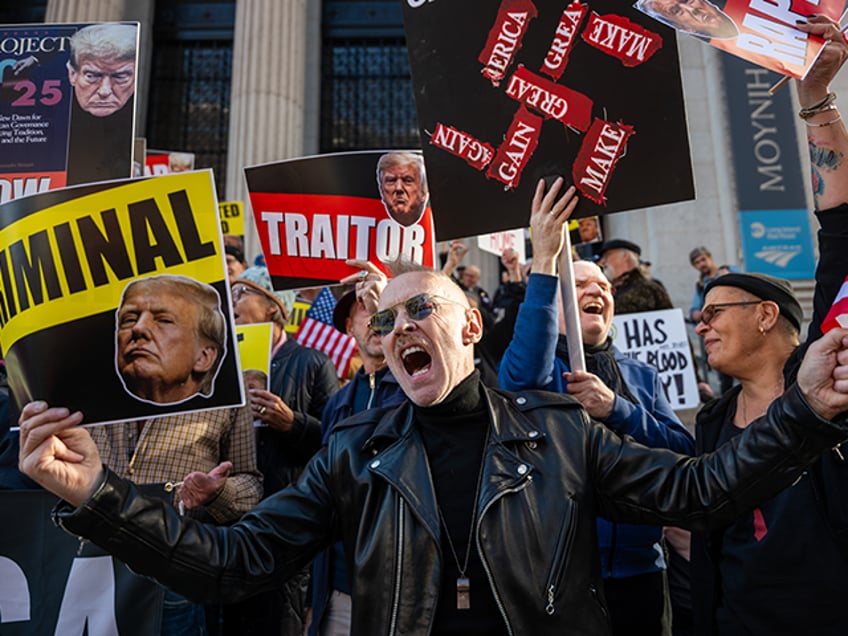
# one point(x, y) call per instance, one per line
point(594, 302)
point(430, 346)
point(422, 280)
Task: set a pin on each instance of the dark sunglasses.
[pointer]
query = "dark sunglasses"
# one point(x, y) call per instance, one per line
point(709, 312)
point(417, 307)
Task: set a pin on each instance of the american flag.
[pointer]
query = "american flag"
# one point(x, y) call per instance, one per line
point(317, 332)
point(838, 314)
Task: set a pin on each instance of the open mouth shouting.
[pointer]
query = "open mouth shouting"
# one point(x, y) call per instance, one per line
point(594, 307)
point(416, 361)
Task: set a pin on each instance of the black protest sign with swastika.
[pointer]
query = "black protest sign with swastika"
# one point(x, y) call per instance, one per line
point(510, 91)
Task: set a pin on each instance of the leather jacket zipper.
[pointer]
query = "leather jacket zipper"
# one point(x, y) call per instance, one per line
point(483, 560)
point(566, 536)
point(398, 566)
point(371, 384)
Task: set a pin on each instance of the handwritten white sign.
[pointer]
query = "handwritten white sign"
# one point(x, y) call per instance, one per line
point(499, 241)
point(659, 338)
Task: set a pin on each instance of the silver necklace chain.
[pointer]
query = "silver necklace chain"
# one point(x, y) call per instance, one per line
point(462, 583)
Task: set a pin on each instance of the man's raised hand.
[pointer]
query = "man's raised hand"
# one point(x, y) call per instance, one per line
point(823, 376)
point(548, 222)
point(57, 453)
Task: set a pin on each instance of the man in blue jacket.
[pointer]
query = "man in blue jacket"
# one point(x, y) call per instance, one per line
point(623, 393)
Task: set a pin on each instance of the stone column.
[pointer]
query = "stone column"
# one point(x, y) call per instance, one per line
point(268, 100)
point(87, 10)
point(115, 11)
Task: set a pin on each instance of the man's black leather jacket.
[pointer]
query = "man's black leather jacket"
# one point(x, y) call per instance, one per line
point(548, 472)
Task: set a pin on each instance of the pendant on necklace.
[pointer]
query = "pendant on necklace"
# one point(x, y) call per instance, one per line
point(463, 593)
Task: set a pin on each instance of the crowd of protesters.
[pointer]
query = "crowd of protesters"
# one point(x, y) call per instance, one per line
point(766, 556)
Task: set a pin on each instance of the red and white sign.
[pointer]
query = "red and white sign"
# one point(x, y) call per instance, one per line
point(516, 150)
point(557, 58)
point(505, 38)
point(595, 163)
point(617, 36)
point(476, 153)
point(497, 242)
point(314, 213)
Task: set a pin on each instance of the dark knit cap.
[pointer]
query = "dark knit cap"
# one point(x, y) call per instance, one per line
point(341, 311)
point(620, 244)
point(235, 252)
point(765, 287)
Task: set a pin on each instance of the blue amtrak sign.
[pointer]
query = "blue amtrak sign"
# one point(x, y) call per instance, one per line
point(778, 242)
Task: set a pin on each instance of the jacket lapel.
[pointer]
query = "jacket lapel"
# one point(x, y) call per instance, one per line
point(504, 470)
point(403, 464)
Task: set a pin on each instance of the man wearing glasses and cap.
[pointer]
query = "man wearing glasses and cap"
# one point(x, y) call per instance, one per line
point(633, 292)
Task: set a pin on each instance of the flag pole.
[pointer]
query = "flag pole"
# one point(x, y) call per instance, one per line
point(573, 332)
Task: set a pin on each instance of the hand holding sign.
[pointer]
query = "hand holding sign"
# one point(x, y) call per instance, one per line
point(548, 222)
point(825, 132)
point(57, 453)
point(595, 396)
point(369, 283)
point(271, 410)
point(816, 83)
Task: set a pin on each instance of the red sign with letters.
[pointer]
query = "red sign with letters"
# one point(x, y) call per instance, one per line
point(314, 213)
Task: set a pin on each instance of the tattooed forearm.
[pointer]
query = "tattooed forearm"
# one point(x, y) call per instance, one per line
point(818, 182)
point(823, 160)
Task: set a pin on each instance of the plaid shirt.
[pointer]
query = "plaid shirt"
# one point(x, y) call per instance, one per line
point(171, 447)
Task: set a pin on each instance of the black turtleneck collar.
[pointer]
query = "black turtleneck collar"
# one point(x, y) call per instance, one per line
point(466, 397)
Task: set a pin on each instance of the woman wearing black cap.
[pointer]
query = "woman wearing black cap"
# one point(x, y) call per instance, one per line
point(783, 568)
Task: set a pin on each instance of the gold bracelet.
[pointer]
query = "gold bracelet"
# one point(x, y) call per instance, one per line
point(823, 124)
point(821, 110)
point(820, 107)
point(827, 99)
